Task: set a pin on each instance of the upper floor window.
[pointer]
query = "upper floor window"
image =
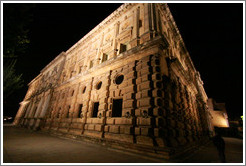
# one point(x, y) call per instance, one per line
point(72, 92)
point(140, 23)
point(80, 69)
point(105, 57)
point(71, 74)
point(123, 48)
point(91, 64)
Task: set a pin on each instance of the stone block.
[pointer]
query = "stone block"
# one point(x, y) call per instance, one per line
point(142, 78)
point(145, 140)
point(144, 85)
point(158, 101)
point(155, 61)
point(91, 127)
point(144, 71)
point(130, 81)
point(124, 84)
point(137, 131)
point(75, 131)
point(156, 93)
point(128, 104)
point(114, 129)
point(157, 111)
point(129, 89)
point(110, 99)
point(161, 142)
point(130, 75)
point(146, 93)
point(103, 106)
point(145, 37)
point(134, 43)
point(110, 121)
point(124, 121)
point(85, 108)
point(93, 133)
point(157, 84)
point(98, 120)
point(63, 130)
point(144, 121)
point(106, 128)
point(160, 121)
point(112, 93)
point(117, 92)
point(103, 100)
point(157, 132)
point(99, 127)
point(144, 102)
point(138, 112)
point(146, 131)
point(156, 69)
point(119, 137)
point(156, 77)
point(128, 96)
point(138, 95)
point(104, 93)
point(138, 67)
point(145, 59)
point(130, 111)
point(127, 129)
point(109, 112)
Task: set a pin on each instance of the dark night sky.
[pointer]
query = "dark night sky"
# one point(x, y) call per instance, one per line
point(213, 34)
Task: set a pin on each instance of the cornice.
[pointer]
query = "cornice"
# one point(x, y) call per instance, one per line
point(117, 13)
point(34, 79)
point(62, 54)
point(165, 7)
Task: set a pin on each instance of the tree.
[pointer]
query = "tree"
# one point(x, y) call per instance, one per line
point(11, 81)
point(16, 25)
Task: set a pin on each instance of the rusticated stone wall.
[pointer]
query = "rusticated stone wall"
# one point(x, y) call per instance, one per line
point(130, 80)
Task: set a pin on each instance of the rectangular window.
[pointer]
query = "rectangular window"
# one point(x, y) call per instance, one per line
point(80, 110)
point(91, 64)
point(68, 109)
point(140, 23)
point(71, 74)
point(72, 93)
point(80, 69)
point(105, 57)
point(122, 48)
point(34, 111)
point(117, 108)
point(59, 112)
point(95, 109)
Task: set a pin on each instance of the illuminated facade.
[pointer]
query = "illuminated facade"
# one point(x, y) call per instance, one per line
point(219, 117)
point(130, 80)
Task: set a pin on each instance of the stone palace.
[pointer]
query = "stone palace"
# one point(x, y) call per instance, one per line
point(129, 82)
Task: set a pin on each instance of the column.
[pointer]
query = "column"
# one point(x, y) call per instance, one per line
point(116, 32)
point(39, 108)
point(45, 106)
point(146, 17)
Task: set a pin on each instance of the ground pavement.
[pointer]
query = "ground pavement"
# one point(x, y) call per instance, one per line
point(26, 146)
